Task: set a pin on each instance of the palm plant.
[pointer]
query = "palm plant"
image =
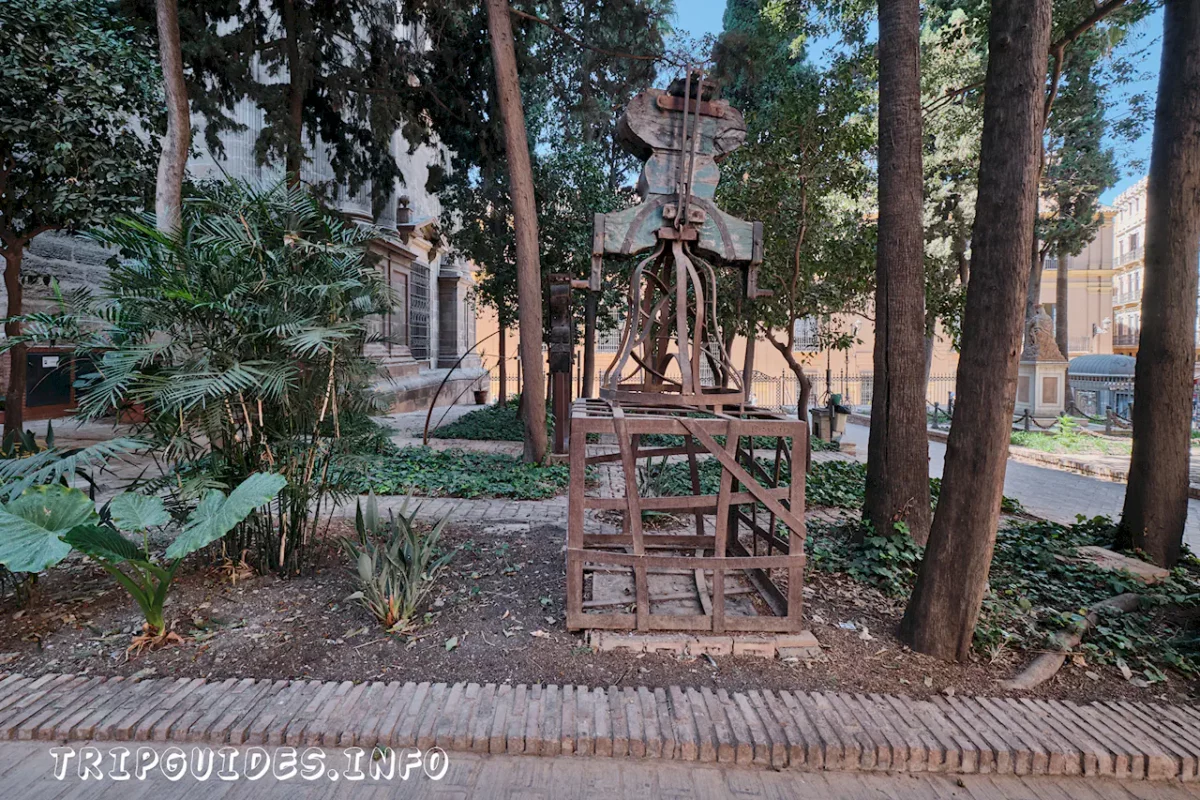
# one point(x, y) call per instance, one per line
point(241, 342)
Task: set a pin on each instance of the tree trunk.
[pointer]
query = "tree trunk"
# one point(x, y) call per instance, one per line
point(502, 396)
point(294, 154)
point(803, 396)
point(897, 489)
point(1033, 292)
point(941, 615)
point(525, 224)
point(1156, 498)
point(748, 366)
point(1062, 333)
point(14, 397)
point(172, 163)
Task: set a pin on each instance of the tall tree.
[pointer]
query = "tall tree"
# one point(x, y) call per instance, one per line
point(1157, 495)
point(941, 614)
point(70, 162)
point(344, 76)
point(172, 163)
point(803, 172)
point(897, 492)
point(525, 225)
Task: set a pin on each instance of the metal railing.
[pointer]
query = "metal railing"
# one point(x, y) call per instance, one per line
point(777, 392)
point(1129, 256)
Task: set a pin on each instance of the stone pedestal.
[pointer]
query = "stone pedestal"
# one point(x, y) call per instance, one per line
point(1042, 373)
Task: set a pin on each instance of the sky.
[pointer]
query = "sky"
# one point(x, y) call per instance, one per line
point(700, 17)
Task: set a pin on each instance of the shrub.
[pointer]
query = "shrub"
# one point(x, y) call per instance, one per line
point(241, 338)
point(39, 528)
point(492, 423)
point(396, 564)
point(452, 473)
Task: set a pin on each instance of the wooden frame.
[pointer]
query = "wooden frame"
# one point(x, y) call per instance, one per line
point(748, 490)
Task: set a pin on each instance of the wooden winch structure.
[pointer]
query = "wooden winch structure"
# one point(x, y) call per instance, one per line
point(742, 548)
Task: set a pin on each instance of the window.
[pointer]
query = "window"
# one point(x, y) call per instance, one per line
point(1133, 241)
point(807, 334)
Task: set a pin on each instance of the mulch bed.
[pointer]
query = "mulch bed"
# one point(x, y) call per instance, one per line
point(497, 616)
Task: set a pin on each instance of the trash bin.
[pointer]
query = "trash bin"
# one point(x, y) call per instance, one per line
point(831, 430)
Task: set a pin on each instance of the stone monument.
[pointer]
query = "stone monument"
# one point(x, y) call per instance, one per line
point(1042, 373)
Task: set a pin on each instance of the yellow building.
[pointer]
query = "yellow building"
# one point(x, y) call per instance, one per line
point(1090, 293)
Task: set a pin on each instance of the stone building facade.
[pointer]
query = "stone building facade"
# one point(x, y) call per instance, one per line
point(433, 323)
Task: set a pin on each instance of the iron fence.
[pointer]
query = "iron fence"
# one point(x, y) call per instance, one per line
point(777, 392)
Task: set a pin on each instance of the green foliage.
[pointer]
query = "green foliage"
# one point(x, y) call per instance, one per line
point(242, 339)
point(353, 71)
point(887, 562)
point(32, 526)
point(396, 564)
point(78, 95)
point(39, 529)
point(452, 473)
point(495, 423)
point(1037, 588)
point(804, 171)
point(1067, 438)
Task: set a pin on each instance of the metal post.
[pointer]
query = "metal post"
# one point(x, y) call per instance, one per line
point(1027, 419)
point(936, 409)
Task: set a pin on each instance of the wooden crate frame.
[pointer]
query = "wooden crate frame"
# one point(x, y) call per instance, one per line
point(629, 549)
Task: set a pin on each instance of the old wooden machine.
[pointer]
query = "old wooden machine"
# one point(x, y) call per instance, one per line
point(672, 396)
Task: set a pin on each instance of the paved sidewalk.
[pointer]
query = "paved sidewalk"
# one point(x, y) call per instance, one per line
point(806, 731)
point(26, 772)
point(1049, 493)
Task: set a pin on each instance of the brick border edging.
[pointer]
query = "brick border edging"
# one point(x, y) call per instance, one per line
point(813, 730)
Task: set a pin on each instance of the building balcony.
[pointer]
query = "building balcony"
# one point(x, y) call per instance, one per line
point(1129, 257)
point(1125, 340)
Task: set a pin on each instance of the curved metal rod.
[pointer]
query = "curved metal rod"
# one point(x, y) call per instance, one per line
point(726, 360)
point(433, 402)
point(632, 319)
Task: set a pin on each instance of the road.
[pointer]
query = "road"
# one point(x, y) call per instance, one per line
point(1053, 494)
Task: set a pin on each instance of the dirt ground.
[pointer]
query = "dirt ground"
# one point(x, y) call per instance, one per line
point(497, 616)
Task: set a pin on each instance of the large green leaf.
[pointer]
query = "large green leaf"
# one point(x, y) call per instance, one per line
point(99, 541)
point(217, 514)
point(32, 526)
point(137, 512)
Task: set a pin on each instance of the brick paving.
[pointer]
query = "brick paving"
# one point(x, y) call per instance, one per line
point(27, 772)
point(832, 732)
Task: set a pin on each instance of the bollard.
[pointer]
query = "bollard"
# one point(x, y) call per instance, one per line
point(1027, 419)
point(1108, 421)
point(935, 416)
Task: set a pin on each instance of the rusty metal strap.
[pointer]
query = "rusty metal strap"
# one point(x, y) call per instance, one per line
point(685, 562)
point(754, 487)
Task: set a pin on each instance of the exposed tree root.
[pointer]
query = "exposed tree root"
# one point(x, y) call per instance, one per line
point(1046, 665)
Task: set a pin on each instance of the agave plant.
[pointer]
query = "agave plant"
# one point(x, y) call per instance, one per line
point(396, 564)
point(39, 529)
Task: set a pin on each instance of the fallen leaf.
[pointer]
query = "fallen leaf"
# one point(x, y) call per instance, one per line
point(865, 635)
point(1126, 672)
point(539, 633)
point(451, 643)
point(1092, 675)
point(928, 681)
point(8, 658)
